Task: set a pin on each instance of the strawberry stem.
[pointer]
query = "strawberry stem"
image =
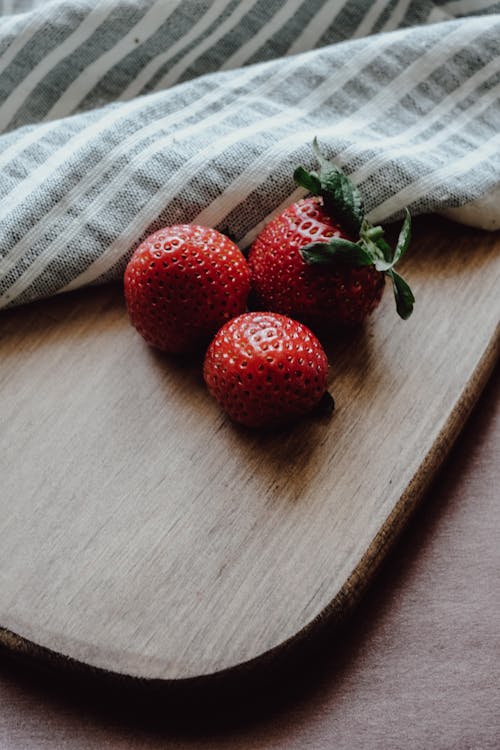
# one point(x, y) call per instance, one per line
point(325, 407)
point(342, 201)
point(374, 233)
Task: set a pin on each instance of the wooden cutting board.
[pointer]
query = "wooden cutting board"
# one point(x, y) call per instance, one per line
point(144, 534)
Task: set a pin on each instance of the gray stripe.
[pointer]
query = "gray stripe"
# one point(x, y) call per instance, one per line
point(59, 78)
point(193, 71)
point(278, 43)
point(384, 16)
point(125, 70)
point(48, 37)
point(149, 169)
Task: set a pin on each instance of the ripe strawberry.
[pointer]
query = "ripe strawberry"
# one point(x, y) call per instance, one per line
point(265, 369)
point(321, 261)
point(182, 283)
point(319, 295)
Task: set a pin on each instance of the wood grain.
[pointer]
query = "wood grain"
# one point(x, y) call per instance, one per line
point(144, 534)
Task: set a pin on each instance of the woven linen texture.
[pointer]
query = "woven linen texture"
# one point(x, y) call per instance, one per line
point(121, 116)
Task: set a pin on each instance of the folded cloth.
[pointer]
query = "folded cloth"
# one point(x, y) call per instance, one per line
point(121, 116)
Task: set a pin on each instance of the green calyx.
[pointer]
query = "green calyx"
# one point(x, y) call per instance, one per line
point(343, 202)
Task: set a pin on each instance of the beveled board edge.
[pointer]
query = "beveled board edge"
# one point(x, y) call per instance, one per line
point(275, 659)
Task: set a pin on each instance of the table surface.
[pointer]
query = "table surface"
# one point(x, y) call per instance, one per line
point(415, 668)
point(229, 543)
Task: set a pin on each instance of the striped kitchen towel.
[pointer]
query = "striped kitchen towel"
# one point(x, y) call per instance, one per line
point(120, 116)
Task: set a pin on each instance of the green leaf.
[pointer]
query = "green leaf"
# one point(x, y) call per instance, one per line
point(341, 197)
point(385, 249)
point(371, 232)
point(342, 201)
point(402, 294)
point(308, 180)
point(404, 238)
point(336, 251)
point(383, 265)
point(372, 247)
point(390, 258)
point(323, 161)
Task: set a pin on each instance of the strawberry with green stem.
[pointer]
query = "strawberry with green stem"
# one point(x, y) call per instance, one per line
point(321, 261)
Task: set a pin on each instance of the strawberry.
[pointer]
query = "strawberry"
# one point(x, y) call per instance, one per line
point(321, 261)
point(283, 280)
point(182, 283)
point(265, 369)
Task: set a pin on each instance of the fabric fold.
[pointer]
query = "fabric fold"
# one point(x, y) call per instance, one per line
point(119, 117)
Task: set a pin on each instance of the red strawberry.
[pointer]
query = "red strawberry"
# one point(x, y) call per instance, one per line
point(321, 296)
point(265, 369)
point(182, 283)
point(321, 261)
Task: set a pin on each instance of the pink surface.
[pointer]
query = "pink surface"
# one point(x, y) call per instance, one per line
point(418, 668)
